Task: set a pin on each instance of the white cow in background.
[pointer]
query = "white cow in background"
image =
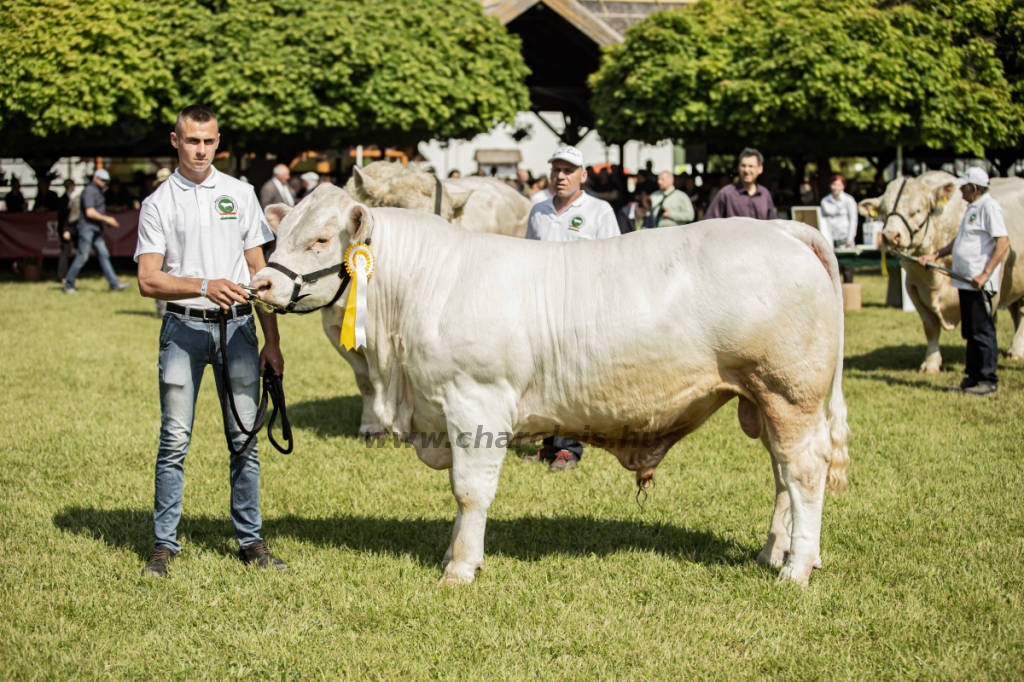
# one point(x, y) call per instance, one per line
point(933, 208)
point(486, 341)
point(475, 204)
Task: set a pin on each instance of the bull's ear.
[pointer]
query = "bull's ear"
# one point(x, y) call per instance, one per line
point(458, 197)
point(365, 185)
point(360, 224)
point(275, 214)
point(942, 197)
point(869, 208)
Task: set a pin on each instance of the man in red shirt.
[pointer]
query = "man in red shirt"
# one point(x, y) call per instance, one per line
point(746, 198)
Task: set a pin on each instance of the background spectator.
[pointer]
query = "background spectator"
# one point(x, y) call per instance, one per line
point(455, 174)
point(15, 200)
point(68, 213)
point(671, 206)
point(276, 190)
point(635, 215)
point(745, 198)
point(46, 199)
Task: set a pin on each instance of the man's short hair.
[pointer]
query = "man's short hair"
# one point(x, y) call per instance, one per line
point(750, 151)
point(200, 113)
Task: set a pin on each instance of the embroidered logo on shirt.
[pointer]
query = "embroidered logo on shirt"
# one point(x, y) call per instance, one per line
point(576, 223)
point(973, 217)
point(225, 206)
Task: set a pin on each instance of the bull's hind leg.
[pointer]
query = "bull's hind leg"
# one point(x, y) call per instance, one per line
point(800, 447)
point(1016, 351)
point(779, 538)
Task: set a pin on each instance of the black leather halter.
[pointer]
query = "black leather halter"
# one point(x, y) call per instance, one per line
point(312, 278)
point(437, 197)
point(895, 212)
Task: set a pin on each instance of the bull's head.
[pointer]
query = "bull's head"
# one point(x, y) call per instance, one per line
point(907, 209)
point(411, 189)
point(311, 237)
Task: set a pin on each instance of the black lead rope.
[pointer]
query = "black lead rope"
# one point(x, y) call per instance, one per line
point(437, 196)
point(273, 392)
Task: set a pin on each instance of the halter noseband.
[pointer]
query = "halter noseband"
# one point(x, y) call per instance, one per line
point(895, 212)
point(312, 278)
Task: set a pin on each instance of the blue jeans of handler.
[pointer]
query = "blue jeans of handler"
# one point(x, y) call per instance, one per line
point(187, 346)
point(91, 238)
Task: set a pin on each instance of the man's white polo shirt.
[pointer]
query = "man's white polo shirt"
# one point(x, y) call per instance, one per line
point(202, 230)
point(976, 241)
point(586, 218)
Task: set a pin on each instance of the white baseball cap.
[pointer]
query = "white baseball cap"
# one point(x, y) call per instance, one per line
point(102, 174)
point(972, 176)
point(570, 154)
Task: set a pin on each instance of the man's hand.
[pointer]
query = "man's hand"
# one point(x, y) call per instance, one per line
point(271, 354)
point(979, 281)
point(926, 259)
point(66, 236)
point(112, 221)
point(225, 293)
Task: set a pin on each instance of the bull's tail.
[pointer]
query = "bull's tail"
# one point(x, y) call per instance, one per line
point(835, 409)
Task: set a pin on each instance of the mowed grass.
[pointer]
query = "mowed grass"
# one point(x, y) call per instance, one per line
point(923, 555)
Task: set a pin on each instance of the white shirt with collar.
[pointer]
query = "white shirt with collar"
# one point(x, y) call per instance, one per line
point(586, 218)
point(202, 230)
point(285, 192)
point(976, 241)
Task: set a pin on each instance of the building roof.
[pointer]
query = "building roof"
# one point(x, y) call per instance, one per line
point(603, 21)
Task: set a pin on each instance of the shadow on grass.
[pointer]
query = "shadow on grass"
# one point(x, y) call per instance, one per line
point(902, 357)
point(328, 417)
point(426, 540)
point(139, 313)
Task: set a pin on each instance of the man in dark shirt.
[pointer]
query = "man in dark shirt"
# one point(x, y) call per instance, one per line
point(746, 198)
point(90, 234)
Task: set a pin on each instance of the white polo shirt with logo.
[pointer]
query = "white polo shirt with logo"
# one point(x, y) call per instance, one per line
point(976, 241)
point(586, 218)
point(202, 230)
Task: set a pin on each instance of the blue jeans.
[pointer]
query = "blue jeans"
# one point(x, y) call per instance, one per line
point(91, 237)
point(187, 346)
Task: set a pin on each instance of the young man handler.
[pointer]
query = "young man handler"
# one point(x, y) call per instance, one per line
point(200, 235)
point(978, 250)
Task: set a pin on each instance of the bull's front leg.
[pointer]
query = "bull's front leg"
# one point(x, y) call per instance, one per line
point(1016, 351)
point(369, 424)
point(932, 328)
point(476, 467)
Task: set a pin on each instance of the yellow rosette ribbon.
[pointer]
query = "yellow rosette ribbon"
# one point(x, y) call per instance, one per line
point(359, 262)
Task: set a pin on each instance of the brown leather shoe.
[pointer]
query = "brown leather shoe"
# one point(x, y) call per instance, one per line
point(158, 565)
point(257, 553)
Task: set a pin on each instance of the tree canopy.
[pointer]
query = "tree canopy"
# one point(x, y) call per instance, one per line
point(826, 76)
point(327, 72)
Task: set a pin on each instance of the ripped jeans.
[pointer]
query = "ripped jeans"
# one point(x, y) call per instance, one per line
point(187, 346)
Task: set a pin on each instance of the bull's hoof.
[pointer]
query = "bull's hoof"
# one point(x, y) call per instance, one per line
point(1014, 355)
point(928, 368)
point(775, 558)
point(792, 574)
point(454, 575)
point(374, 432)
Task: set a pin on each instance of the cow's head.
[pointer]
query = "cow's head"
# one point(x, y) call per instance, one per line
point(312, 236)
point(409, 188)
point(921, 201)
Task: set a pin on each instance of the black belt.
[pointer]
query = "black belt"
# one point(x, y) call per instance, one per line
point(210, 314)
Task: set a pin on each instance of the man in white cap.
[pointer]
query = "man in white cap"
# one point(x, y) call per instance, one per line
point(978, 250)
point(90, 234)
point(310, 181)
point(568, 215)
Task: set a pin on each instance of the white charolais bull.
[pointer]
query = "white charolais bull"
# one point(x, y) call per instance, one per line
point(648, 334)
point(933, 208)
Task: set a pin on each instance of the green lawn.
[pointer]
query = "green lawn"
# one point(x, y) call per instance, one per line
point(924, 555)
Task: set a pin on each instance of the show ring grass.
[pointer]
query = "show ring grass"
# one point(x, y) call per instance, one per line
point(923, 555)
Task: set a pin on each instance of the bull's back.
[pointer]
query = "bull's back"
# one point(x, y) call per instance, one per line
point(651, 313)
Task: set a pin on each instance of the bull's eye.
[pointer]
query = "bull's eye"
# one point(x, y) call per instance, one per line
point(322, 240)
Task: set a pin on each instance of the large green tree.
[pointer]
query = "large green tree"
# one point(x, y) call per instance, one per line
point(826, 77)
point(278, 72)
